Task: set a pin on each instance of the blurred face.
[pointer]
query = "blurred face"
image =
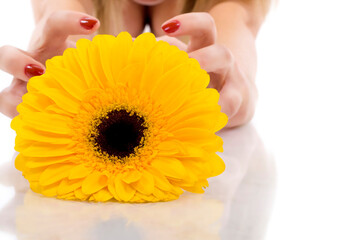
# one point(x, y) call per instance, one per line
point(148, 2)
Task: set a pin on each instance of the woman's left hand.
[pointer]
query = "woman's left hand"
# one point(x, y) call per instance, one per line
point(238, 94)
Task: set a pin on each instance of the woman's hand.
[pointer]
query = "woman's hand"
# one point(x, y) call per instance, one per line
point(50, 38)
point(238, 94)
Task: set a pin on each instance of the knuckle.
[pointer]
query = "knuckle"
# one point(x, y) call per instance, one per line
point(50, 27)
point(50, 21)
point(54, 15)
point(200, 57)
point(53, 21)
point(207, 26)
point(202, 61)
point(234, 102)
point(226, 53)
point(209, 19)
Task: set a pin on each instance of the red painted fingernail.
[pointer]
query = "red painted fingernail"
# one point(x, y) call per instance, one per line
point(88, 23)
point(32, 70)
point(171, 26)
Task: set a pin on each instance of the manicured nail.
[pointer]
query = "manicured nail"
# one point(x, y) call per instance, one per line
point(171, 26)
point(32, 70)
point(88, 23)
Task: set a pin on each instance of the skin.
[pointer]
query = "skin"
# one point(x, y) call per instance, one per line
point(222, 40)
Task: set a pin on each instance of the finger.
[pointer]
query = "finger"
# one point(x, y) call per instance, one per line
point(214, 58)
point(173, 41)
point(11, 96)
point(217, 60)
point(61, 24)
point(19, 64)
point(199, 26)
point(230, 99)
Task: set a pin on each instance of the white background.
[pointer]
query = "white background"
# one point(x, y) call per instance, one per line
point(308, 112)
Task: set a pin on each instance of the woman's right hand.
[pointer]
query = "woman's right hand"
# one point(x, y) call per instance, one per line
point(50, 38)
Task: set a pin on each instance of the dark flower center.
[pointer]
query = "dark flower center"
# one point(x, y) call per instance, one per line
point(119, 133)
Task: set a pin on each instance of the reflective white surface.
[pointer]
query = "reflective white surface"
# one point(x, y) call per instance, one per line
point(308, 116)
point(237, 205)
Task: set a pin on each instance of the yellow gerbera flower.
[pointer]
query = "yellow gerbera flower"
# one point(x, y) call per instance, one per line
point(119, 119)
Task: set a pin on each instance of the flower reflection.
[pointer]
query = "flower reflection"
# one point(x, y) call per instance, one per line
point(236, 205)
point(189, 218)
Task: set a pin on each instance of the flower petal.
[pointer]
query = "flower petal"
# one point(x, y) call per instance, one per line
point(221, 122)
point(68, 196)
point(198, 187)
point(20, 162)
point(95, 66)
point(71, 62)
point(128, 74)
point(204, 121)
point(55, 173)
point(160, 180)
point(38, 83)
point(33, 174)
point(30, 135)
point(79, 194)
point(131, 176)
point(112, 189)
point(201, 168)
point(50, 190)
point(82, 54)
point(197, 104)
point(67, 186)
point(154, 68)
point(80, 171)
point(124, 191)
point(174, 57)
point(145, 184)
point(217, 164)
point(67, 80)
point(169, 148)
point(140, 49)
point(48, 122)
point(63, 100)
point(120, 52)
point(105, 45)
point(35, 162)
point(170, 167)
point(103, 195)
point(159, 193)
point(37, 149)
point(36, 101)
point(94, 182)
point(177, 89)
point(197, 136)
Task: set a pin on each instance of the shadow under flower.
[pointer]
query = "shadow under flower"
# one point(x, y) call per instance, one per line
point(237, 205)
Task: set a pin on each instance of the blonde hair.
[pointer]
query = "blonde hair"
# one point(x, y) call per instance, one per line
point(110, 11)
point(205, 5)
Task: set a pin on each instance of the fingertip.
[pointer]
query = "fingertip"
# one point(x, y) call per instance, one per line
point(89, 23)
point(171, 26)
point(32, 70)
